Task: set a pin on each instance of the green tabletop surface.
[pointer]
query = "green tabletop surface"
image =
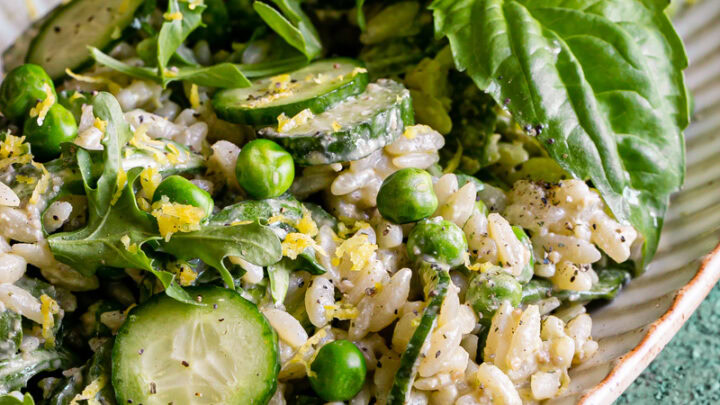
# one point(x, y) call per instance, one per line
point(687, 371)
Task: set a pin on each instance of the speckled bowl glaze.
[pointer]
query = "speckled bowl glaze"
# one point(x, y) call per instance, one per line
point(635, 327)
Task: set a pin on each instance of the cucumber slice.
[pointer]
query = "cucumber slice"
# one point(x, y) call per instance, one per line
point(350, 130)
point(316, 87)
point(223, 352)
point(63, 39)
point(436, 282)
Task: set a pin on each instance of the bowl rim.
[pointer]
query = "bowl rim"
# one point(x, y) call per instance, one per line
point(630, 365)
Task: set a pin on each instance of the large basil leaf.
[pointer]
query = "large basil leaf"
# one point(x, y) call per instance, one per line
point(599, 82)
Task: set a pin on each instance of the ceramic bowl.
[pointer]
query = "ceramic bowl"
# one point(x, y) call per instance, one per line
point(635, 327)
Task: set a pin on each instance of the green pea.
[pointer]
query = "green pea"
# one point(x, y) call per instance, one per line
point(21, 90)
point(438, 241)
point(487, 291)
point(407, 196)
point(338, 371)
point(182, 191)
point(57, 127)
point(529, 269)
point(264, 169)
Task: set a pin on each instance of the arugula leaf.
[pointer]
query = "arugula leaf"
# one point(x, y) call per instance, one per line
point(114, 233)
point(117, 134)
point(600, 83)
point(122, 67)
point(254, 242)
point(99, 242)
point(286, 206)
point(223, 75)
point(174, 32)
point(297, 29)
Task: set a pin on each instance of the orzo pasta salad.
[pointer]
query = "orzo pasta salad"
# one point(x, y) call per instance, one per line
point(368, 202)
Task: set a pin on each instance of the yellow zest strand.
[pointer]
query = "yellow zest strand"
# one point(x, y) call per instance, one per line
point(42, 184)
point(43, 107)
point(121, 183)
point(48, 308)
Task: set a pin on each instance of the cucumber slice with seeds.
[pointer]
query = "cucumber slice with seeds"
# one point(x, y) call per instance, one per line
point(63, 39)
point(350, 130)
point(315, 87)
point(223, 352)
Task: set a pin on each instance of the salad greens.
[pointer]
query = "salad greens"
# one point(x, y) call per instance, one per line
point(182, 18)
point(117, 229)
point(599, 83)
point(292, 24)
point(352, 126)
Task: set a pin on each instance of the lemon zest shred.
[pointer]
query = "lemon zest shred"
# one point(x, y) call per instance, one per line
point(280, 83)
point(174, 155)
point(358, 70)
point(12, 146)
point(48, 308)
point(413, 131)
point(173, 16)
point(130, 247)
point(241, 223)
point(76, 96)
point(42, 184)
point(306, 224)
point(194, 97)
point(143, 142)
point(150, 179)
point(285, 124)
point(90, 391)
point(280, 218)
point(143, 204)
point(301, 355)
point(43, 107)
point(186, 274)
point(192, 4)
point(359, 250)
point(174, 217)
point(296, 243)
point(25, 179)
point(343, 311)
point(477, 266)
point(121, 182)
point(112, 86)
point(15, 159)
point(128, 309)
point(100, 124)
